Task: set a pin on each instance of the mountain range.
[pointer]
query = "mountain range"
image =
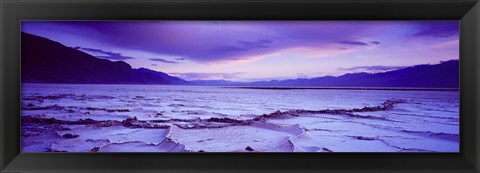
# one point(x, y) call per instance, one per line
point(47, 61)
point(443, 75)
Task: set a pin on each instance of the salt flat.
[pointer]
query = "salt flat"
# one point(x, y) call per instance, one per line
point(173, 118)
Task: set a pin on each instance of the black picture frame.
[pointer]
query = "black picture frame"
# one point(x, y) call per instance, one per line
point(14, 11)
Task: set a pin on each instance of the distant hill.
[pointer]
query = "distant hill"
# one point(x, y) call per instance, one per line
point(170, 79)
point(443, 75)
point(47, 61)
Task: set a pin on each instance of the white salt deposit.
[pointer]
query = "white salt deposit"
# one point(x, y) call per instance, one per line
point(158, 118)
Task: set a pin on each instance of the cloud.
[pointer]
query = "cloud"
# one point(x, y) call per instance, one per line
point(449, 43)
point(180, 59)
point(207, 76)
point(226, 41)
point(264, 43)
point(375, 68)
point(437, 29)
point(153, 64)
point(163, 60)
point(116, 56)
point(375, 42)
point(352, 43)
point(223, 49)
point(104, 54)
point(207, 42)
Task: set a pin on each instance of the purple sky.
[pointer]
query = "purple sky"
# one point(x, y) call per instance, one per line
point(259, 50)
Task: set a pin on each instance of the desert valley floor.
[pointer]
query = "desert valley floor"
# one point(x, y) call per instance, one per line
point(173, 118)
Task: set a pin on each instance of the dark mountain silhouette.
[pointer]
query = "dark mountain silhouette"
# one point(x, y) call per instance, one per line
point(46, 61)
point(170, 79)
point(443, 75)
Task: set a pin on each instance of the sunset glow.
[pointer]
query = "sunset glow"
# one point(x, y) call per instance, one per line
point(253, 50)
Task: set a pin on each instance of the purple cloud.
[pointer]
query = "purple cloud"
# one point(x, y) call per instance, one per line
point(213, 41)
point(206, 41)
point(437, 29)
point(104, 54)
point(353, 43)
point(163, 60)
point(226, 49)
point(116, 56)
point(375, 42)
point(255, 44)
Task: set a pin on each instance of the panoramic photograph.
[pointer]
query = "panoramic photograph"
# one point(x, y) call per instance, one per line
point(240, 86)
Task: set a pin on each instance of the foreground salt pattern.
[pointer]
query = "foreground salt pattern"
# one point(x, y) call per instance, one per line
point(133, 118)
